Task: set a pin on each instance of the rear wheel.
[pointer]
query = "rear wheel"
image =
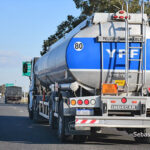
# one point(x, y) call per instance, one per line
point(61, 123)
point(143, 136)
point(80, 138)
point(30, 113)
point(52, 119)
point(5, 100)
point(36, 116)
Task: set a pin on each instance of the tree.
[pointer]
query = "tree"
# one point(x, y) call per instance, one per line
point(64, 28)
point(88, 7)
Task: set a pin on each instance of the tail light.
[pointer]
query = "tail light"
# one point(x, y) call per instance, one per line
point(86, 102)
point(73, 102)
point(115, 17)
point(121, 12)
point(148, 89)
point(113, 101)
point(80, 102)
point(124, 100)
point(121, 17)
point(93, 102)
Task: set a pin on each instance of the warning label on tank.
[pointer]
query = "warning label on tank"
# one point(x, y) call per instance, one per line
point(120, 82)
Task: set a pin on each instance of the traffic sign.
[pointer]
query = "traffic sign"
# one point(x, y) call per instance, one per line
point(26, 66)
point(9, 84)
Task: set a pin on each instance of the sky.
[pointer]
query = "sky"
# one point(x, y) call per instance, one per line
point(24, 24)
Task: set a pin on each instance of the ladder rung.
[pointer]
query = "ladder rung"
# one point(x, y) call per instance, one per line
point(135, 59)
point(136, 35)
point(137, 47)
point(140, 23)
point(135, 84)
point(136, 72)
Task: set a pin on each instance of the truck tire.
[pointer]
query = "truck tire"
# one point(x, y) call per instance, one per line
point(61, 123)
point(80, 138)
point(6, 100)
point(31, 115)
point(30, 111)
point(145, 139)
point(52, 119)
point(36, 116)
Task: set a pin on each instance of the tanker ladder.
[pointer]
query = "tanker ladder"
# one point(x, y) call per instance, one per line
point(141, 77)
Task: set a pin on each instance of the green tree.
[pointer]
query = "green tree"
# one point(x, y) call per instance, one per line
point(88, 7)
point(62, 29)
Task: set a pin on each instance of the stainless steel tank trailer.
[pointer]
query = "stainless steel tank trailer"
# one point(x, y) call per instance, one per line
point(97, 76)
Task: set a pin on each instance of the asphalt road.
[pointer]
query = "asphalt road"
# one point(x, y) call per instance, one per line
point(17, 132)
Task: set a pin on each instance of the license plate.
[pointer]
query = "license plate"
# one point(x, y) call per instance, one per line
point(123, 107)
point(85, 112)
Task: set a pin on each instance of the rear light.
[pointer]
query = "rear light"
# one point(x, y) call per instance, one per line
point(148, 90)
point(115, 17)
point(93, 101)
point(124, 100)
point(86, 102)
point(134, 102)
point(73, 102)
point(121, 12)
point(80, 102)
point(121, 17)
point(113, 101)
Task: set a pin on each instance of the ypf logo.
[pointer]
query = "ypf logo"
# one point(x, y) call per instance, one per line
point(78, 46)
point(133, 53)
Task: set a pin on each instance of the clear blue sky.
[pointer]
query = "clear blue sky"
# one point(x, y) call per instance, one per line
point(24, 24)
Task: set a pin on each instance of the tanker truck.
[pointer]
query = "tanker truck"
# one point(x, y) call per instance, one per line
point(97, 76)
point(13, 94)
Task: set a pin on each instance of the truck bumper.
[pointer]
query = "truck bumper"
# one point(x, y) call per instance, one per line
point(112, 122)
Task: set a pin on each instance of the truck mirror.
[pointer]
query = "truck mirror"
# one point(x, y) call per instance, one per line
point(25, 68)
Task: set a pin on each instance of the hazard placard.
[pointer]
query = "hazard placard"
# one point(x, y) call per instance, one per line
point(120, 82)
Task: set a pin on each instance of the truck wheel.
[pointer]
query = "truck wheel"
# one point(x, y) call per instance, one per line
point(31, 115)
point(61, 123)
point(52, 119)
point(5, 101)
point(80, 138)
point(36, 116)
point(145, 136)
point(145, 140)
